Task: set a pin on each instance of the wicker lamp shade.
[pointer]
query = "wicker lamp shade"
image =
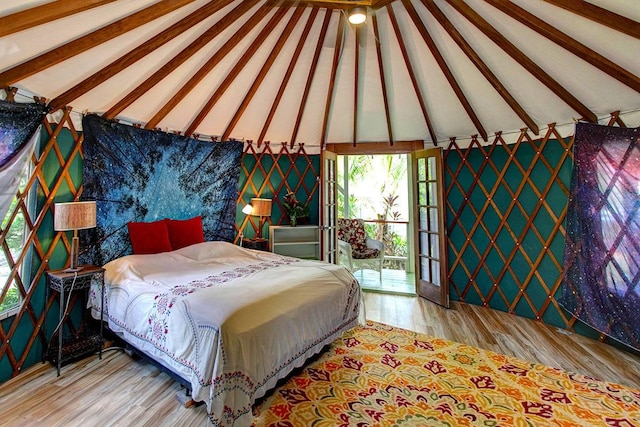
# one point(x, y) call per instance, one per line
point(261, 207)
point(74, 216)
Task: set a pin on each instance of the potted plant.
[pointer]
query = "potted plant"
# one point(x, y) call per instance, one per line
point(294, 209)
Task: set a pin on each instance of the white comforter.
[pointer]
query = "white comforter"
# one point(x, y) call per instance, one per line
point(232, 321)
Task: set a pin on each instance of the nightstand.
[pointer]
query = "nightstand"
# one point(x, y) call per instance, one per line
point(259, 244)
point(302, 241)
point(64, 282)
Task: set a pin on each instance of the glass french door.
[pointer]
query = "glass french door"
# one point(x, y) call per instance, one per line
point(429, 226)
point(329, 208)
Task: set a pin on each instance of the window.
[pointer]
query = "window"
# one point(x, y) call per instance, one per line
point(15, 231)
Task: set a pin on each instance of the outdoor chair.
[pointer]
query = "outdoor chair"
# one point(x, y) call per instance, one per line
point(356, 250)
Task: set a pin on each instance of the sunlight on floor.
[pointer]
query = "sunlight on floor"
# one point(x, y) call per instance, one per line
point(393, 281)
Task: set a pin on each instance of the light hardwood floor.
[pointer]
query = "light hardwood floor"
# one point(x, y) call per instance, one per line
point(118, 390)
point(397, 282)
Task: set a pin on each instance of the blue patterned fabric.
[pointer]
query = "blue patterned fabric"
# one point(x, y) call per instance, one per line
point(143, 175)
point(602, 248)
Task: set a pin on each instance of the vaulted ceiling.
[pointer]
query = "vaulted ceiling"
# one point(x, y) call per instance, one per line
point(298, 72)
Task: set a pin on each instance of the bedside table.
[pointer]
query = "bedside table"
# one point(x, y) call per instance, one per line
point(302, 241)
point(64, 282)
point(259, 244)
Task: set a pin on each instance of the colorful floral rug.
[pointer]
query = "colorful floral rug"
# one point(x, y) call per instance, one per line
point(378, 375)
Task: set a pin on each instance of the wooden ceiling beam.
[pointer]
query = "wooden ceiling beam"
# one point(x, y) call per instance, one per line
point(444, 68)
point(332, 80)
point(374, 147)
point(519, 56)
point(189, 51)
point(237, 69)
point(88, 41)
point(284, 36)
point(381, 3)
point(356, 81)
point(310, 76)
point(329, 4)
point(383, 83)
point(29, 18)
point(214, 60)
point(288, 73)
point(481, 66)
point(600, 15)
point(138, 53)
point(568, 43)
point(412, 75)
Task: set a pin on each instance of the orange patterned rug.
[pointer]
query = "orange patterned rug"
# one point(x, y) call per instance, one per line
point(378, 375)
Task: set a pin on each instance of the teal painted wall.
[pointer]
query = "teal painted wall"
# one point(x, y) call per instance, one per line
point(261, 176)
point(506, 254)
point(51, 170)
point(493, 243)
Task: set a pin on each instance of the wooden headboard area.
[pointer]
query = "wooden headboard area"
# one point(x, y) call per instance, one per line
point(143, 175)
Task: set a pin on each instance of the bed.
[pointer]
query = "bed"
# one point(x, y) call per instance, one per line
point(227, 320)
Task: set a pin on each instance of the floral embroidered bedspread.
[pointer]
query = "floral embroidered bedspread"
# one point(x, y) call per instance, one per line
point(229, 320)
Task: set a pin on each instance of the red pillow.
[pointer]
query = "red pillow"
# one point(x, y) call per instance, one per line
point(149, 237)
point(185, 232)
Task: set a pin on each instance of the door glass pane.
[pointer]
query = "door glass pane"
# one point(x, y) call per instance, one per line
point(434, 249)
point(432, 168)
point(435, 273)
point(433, 219)
point(422, 174)
point(422, 194)
point(433, 192)
point(424, 269)
point(424, 241)
point(423, 218)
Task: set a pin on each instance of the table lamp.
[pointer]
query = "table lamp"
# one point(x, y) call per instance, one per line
point(74, 216)
point(261, 208)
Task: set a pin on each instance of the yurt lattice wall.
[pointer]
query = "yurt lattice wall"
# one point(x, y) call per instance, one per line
point(56, 177)
point(270, 173)
point(506, 205)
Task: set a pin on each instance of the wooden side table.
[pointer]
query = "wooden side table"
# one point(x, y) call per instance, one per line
point(65, 282)
point(259, 244)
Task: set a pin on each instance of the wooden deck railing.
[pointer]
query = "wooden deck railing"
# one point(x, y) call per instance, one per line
point(402, 259)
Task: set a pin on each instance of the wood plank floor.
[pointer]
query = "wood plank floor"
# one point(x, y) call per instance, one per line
point(398, 282)
point(118, 390)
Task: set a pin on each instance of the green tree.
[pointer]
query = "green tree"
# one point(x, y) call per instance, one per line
point(374, 186)
point(14, 239)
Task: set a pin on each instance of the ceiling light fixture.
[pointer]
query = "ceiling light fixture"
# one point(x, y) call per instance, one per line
point(357, 15)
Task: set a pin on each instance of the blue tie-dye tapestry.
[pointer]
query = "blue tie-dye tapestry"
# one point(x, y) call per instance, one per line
point(143, 175)
point(601, 283)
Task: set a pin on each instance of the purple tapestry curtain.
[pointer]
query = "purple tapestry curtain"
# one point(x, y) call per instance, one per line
point(602, 248)
point(18, 132)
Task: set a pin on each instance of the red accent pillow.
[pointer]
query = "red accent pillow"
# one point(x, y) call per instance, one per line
point(149, 237)
point(185, 232)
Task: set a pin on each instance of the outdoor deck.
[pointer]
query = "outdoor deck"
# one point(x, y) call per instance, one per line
point(393, 281)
